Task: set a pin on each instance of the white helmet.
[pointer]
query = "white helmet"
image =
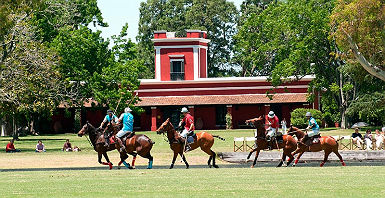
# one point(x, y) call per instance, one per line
point(308, 114)
point(184, 110)
point(271, 114)
point(127, 109)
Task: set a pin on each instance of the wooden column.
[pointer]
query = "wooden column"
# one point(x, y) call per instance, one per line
point(266, 109)
point(153, 118)
point(191, 110)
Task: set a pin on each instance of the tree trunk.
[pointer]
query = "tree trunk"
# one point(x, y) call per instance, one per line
point(372, 69)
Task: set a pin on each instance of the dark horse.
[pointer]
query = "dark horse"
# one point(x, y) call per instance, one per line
point(97, 140)
point(289, 144)
point(204, 140)
point(135, 145)
point(326, 143)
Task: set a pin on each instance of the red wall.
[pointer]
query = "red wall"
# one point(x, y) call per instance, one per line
point(241, 113)
point(207, 114)
point(165, 62)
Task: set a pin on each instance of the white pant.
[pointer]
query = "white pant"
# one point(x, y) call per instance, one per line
point(379, 143)
point(368, 143)
point(358, 141)
point(271, 131)
point(184, 133)
point(312, 133)
point(121, 133)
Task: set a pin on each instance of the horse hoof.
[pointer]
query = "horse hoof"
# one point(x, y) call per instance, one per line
point(210, 166)
point(293, 165)
point(216, 166)
point(119, 167)
point(133, 167)
point(187, 167)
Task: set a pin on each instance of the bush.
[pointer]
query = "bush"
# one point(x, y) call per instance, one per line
point(298, 118)
point(229, 121)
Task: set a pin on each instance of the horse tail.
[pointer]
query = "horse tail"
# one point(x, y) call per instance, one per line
point(221, 138)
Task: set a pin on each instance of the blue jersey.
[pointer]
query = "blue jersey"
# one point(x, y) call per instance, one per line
point(128, 122)
point(109, 119)
point(313, 121)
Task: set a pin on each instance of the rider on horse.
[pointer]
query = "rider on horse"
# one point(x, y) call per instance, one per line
point(272, 125)
point(128, 125)
point(314, 129)
point(110, 117)
point(188, 128)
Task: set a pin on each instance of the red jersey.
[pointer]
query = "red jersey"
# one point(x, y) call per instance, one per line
point(188, 120)
point(10, 147)
point(274, 122)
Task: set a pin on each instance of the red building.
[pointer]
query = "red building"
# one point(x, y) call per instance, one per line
point(181, 81)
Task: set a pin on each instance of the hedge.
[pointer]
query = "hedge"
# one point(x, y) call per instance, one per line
point(298, 118)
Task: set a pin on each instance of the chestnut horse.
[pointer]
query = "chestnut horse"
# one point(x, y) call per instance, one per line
point(204, 140)
point(289, 144)
point(97, 141)
point(136, 145)
point(326, 143)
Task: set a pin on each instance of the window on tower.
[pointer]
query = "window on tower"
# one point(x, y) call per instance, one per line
point(177, 69)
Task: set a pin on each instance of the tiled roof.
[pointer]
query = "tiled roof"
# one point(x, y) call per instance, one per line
point(222, 99)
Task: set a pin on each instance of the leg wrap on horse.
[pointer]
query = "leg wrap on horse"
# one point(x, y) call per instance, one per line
point(127, 165)
point(149, 164)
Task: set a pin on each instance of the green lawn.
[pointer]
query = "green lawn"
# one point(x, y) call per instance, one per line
point(59, 174)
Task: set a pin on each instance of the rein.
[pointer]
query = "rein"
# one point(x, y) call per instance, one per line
point(89, 140)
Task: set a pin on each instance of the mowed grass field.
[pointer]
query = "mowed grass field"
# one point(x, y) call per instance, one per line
point(59, 174)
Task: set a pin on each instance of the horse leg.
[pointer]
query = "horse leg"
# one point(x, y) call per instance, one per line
point(291, 158)
point(214, 156)
point(297, 159)
point(251, 152)
point(150, 160)
point(123, 158)
point(173, 160)
point(282, 160)
point(339, 156)
point(327, 153)
point(209, 162)
point(184, 160)
point(255, 159)
point(108, 160)
point(133, 160)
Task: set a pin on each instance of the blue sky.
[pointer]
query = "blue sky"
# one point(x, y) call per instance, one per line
point(118, 12)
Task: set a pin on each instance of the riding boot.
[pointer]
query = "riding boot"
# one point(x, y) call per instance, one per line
point(305, 140)
point(188, 148)
point(122, 147)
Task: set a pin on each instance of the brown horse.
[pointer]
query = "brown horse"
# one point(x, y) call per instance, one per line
point(204, 140)
point(288, 145)
point(135, 145)
point(327, 143)
point(97, 141)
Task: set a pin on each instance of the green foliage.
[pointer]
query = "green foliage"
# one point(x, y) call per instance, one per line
point(369, 107)
point(362, 21)
point(283, 39)
point(298, 117)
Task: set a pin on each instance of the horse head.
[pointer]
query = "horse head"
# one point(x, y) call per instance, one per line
point(87, 128)
point(256, 122)
point(166, 127)
point(295, 131)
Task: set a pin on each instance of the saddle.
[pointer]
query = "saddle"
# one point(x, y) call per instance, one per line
point(312, 140)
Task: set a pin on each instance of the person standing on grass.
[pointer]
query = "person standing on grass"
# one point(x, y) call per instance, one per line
point(67, 147)
point(368, 139)
point(379, 139)
point(284, 127)
point(357, 138)
point(11, 148)
point(40, 147)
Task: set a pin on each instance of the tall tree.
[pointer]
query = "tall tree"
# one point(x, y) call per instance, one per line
point(358, 28)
